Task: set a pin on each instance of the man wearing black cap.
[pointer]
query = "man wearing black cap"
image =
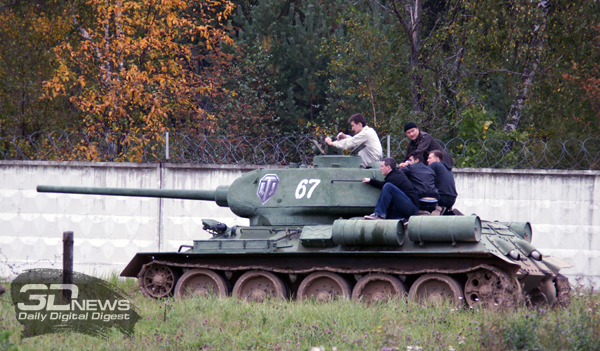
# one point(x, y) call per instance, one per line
point(422, 142)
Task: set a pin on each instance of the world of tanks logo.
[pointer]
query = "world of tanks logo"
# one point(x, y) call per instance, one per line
point(44, 304)
point(267, 187)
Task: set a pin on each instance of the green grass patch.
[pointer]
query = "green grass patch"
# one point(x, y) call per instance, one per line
point(231, 324)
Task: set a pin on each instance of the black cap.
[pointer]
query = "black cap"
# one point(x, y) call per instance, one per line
point(409, 125)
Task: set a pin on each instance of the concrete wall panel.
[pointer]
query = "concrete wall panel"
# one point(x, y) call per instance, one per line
point(562, 207)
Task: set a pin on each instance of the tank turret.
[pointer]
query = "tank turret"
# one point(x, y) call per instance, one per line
point(307, 239)
point(331, 189)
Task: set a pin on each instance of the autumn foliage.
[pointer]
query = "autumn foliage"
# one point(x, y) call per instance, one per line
point(115, 75)
point(136, 66)
point(590, 84)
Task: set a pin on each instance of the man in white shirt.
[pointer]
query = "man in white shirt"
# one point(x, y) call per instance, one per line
point(364, 136)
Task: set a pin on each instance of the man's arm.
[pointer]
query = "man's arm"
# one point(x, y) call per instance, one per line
point(406, 170)
point(424, 143)
point(374, 182)
point(340, 136)
point(351, 142)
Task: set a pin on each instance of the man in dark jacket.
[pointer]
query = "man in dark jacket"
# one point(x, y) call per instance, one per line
point(421, 176)
point(424, 143)
point(444, 179)
point(398, 198)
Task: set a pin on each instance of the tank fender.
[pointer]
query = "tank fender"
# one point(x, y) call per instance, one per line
point(135, 265)
point(556, 264)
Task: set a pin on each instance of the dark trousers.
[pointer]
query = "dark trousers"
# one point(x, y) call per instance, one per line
point(393, 203)
point(446, 201)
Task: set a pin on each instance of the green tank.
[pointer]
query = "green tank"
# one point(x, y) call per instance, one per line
point(307, 239)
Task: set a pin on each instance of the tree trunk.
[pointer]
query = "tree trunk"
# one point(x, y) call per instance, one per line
point(413, 10)
point(409, 17)
point(516, 109)
point(108, 77)
point(119, 27)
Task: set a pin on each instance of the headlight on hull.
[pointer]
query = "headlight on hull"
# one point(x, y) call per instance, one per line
point(536, 255)
point(515, 255)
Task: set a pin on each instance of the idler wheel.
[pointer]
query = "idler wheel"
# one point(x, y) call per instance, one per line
point(563, 290)
point(492, 288)
point(377, 288)
point(324, 286)
point(157, 280)
point(437, 287)
point(201, 282)
point(259, 286)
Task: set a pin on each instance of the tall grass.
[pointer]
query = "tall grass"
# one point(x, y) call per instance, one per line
point(231, 324)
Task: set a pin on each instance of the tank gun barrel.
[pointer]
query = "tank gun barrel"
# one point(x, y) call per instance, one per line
point(218, 195)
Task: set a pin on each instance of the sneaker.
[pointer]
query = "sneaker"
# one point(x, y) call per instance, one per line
point(374, 216)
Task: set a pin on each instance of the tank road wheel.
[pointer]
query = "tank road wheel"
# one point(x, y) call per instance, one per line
point(259, 286)
point(201, 282)
point(323, 286)
point(544, 294)
point(492, 288)
point(157, 280)
point(377, 287)
point(437, 287)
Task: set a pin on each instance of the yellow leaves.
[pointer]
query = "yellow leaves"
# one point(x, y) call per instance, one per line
point(91, 152)
point(136, 76)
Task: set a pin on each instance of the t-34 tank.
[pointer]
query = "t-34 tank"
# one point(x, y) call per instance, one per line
point(307, 239)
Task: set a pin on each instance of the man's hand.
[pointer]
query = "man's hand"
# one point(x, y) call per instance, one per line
point(328, 141)
point(403, 164)
point(341, 136)
point(366, 180)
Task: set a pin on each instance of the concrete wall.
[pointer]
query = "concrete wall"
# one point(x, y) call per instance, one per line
point(562, 207)
point(108, 230)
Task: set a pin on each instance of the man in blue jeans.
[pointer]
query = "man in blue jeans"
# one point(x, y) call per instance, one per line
point(398, 198)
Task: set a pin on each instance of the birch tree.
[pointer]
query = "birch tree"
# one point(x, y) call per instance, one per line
point(134, 70)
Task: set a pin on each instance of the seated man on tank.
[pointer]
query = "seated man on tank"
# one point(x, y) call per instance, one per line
point(444, 179)
point(421, 176)
point(424, 143)
point(398, 198)
point(364, 137)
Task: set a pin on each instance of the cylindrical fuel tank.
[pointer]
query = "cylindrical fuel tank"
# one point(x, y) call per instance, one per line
point(367, 232)
point(444, 228)
point(523, 229)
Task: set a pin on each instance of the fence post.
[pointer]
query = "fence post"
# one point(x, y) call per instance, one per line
point(388, 145)
point(67, 262)
point(167, 146)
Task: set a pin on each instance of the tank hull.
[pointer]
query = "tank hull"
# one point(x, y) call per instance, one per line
point(293, 256)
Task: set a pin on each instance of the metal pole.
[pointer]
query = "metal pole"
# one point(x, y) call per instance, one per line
point(388, 148)
point(67, 262)
point(167, 147)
